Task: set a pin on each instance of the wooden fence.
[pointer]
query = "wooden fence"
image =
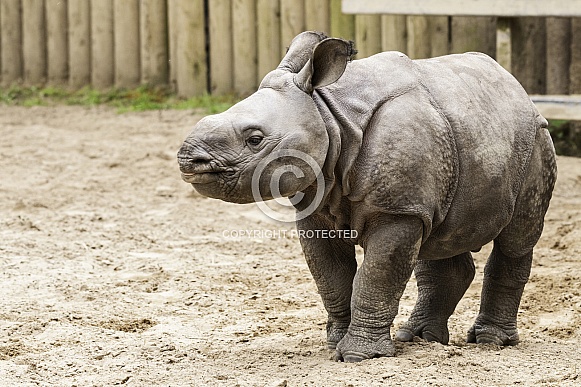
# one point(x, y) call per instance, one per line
point(225, 46)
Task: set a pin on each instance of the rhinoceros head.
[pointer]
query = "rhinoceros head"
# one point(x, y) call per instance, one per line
point(279, 122)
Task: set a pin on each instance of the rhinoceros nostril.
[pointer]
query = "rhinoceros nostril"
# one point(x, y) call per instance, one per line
point(193, 159)
point(195, 164)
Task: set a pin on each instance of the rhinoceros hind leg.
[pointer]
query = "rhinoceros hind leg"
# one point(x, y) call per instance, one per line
point(504, 282)
point(509, 265)
point(441, 285)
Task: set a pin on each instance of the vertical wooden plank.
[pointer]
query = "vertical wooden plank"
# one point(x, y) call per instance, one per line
point(317, 16)
point(503, 43)
point(191, 75)
point(154, 47)
point(244, 46)
point(221, 60)
point(173, 30)
point(33, 42)
point(529, 53)
point(57, 42)
point(439, 33)
point(575, 74)
point(342, 25)
point(269, 47)
point(0, 43)
point(102, 44)
point(394, 33)
point(292, 22)
point(575, 67)
point(11, 41)
point(126, 37)
point(79, 47)
point(367, 35)
point(418, 37)
point(474, 34)
point(558, 55)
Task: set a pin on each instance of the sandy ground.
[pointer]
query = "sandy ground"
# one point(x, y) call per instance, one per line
point(114, 272)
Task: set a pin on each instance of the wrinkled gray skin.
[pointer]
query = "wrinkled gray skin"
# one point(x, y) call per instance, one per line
point(427, 160)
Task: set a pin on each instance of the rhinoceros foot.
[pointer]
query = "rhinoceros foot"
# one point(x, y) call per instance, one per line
point(353, 348)
point(482, 333)
point(427, 330)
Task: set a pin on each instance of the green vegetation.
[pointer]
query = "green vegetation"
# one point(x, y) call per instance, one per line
point(566, 136)
point(140, 99)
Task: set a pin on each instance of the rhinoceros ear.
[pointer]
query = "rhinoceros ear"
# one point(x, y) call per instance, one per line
point(326, 65)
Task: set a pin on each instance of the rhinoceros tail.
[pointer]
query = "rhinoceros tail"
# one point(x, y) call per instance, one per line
point(351, 50)
point(542, 121)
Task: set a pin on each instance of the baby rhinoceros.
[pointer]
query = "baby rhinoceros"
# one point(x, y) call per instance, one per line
point(423, 160)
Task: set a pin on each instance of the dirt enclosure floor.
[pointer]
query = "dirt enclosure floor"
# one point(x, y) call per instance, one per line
point(114, 272)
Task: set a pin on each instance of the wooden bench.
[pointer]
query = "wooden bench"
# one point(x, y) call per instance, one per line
point(566, 107)
point(506, 8)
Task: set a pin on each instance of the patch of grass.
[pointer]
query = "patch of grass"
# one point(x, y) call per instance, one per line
point(13, 94)
point(125, 100)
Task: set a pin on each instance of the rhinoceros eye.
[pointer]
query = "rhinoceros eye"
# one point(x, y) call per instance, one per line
point(254, 140)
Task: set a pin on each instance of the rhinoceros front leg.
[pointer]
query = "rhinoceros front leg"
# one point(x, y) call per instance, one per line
point(441, 285)
point(332, 264)
point(391, 245)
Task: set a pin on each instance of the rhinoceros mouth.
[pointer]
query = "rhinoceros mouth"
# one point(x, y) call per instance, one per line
point(200, 177)
point(206, 175)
